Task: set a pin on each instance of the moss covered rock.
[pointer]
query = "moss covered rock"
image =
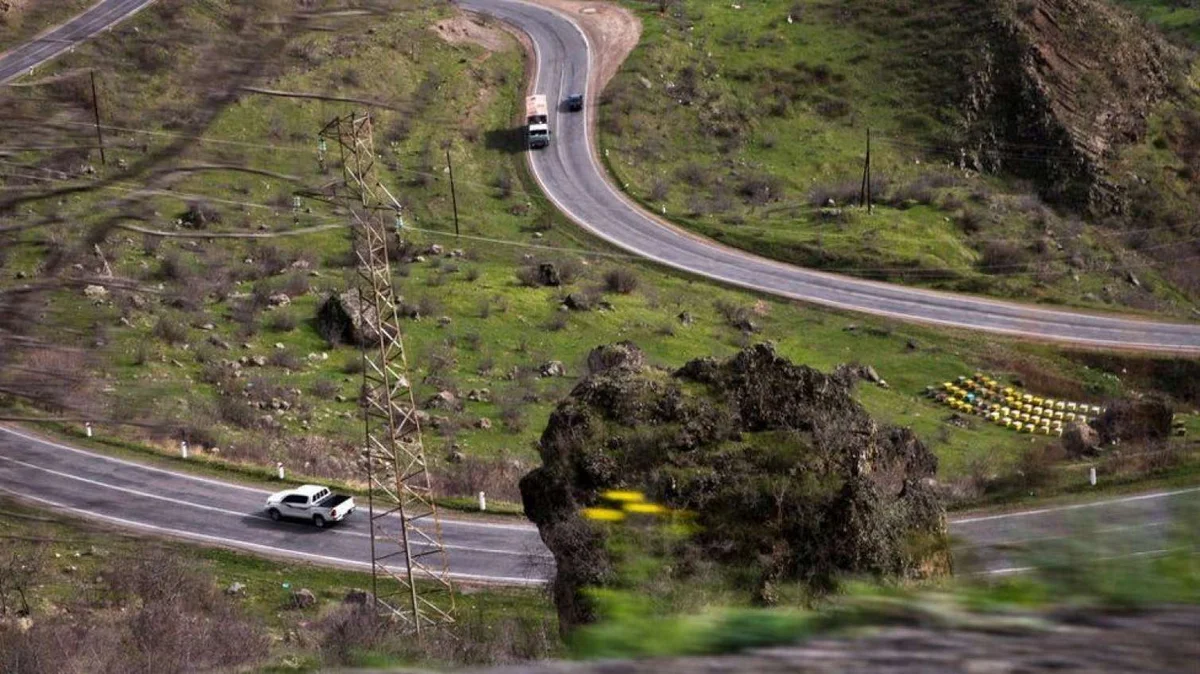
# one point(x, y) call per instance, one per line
point(786, 473)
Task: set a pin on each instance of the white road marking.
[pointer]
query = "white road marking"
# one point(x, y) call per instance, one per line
point(232, 542)
point(1077, 506)
point(230, 485)
point(234, 513)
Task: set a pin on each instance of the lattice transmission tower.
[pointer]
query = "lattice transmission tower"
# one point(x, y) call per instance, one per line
point(404, 520)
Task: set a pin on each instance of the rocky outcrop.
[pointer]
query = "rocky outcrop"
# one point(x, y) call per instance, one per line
point(785, 472)
point(1057, 86)
point(342, 319)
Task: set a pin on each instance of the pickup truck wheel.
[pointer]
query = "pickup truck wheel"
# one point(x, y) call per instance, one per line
point(319, 521)
point(274, 514)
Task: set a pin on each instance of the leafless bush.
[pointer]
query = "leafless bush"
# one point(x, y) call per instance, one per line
point(285, 359)
point(839, 194)
point(659, 190)
point(472, 274)
point(20, 566)
point(235, 411)
point(512, 412)
point(283, 321)
point(760, 188)
point(1003, 257)
point(175, 269)
point(621, 280)
point(498, 478)
point(694, 175)
point(170, 329)
point(504, 184)
point(1035, 468)
point(199, 215)
point(557, 323)
point(353, 366)
point(325, 389)
point(970, 220)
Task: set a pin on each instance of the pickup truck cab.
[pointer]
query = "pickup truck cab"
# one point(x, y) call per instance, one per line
point(574, 102)
point(310, 502)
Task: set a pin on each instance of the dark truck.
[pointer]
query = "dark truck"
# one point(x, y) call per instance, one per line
point(574, 102)
point(310, 502)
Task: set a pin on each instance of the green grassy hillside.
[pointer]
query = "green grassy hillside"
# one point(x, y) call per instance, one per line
point(777, 97)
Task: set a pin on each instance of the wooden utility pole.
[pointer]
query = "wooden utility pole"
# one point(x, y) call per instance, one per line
point(453, 193)
point(96, 112)
point(868, 169)
point(864, 195)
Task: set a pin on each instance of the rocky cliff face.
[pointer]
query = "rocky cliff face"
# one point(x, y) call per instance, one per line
point(1056, 87)
point(784, 470)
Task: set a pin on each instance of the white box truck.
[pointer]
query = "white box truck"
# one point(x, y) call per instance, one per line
point(537, 121)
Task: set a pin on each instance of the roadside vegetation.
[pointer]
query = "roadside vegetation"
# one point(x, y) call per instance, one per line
point(777, 98)
point(215, 341)
point(77, 596)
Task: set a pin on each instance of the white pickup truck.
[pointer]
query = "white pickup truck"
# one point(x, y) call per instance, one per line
point(310, 502)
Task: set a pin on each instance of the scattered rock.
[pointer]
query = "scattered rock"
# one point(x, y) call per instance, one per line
point(686, 318)
point(1080, 439)
point(911, 345)
point(484, 424)
point(341, 320)
point(624, 355)
point(553, 368)
point(578, 302)
point(444, 321)
point(479, 395)
point(258, 361)
point(1133, 279)
point(207, 327)
point(357, 597)
point(444, 400)
point(303, 598)
point(97, 294)
point(236, 590)
point(435, 249)
point(279, 300)
point(455, 456)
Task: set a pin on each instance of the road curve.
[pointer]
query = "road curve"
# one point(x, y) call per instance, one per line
point(102, 15)
point(167, 503)
point(174, 504)
point(570, 173)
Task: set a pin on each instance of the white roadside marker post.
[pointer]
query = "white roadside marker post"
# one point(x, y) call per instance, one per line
point(88, 428)
point(1092, 476)
point(183, 448)
point(280, 466)
point(482, 501)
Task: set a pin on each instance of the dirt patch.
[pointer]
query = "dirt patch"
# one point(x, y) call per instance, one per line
point(613, 31)
point(470, 29)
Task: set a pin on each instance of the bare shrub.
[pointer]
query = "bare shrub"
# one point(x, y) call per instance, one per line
point(1003, 257)
point(621, 280)
point(498, 478)
point(285, 359)
point(512, 411)
point(325, 389)
point(970, 220)
point(235, 411)
point(472, 274)
point(199, 215)
point(839, 194)
point(1035, 468)
point(295, 285)
point(694, 175)
point(557, 323)
point(171, 330)
point(174, 268)
point(659, 189)
point(283, 321)
point(760, 188)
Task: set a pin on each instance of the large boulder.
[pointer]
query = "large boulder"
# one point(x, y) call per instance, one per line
point(1080, 440)
point(343, 318)
point(787, 475)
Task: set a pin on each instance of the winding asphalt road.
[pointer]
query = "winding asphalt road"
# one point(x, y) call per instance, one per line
point(102, 15)
point(175, 504)
point(570, 173)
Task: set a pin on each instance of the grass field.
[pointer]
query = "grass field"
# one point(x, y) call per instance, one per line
point(778, 98)
point(180, 126)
